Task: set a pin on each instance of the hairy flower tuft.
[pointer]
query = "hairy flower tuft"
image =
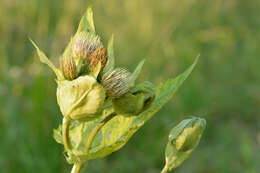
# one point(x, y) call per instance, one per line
point(68, 67)
point(117, 82)
point(99, 55)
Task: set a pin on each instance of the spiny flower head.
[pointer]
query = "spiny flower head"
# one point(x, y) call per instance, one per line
point(116, 82)
point(68, 67)
point(99, 55)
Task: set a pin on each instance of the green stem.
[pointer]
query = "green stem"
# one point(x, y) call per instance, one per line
point(65, 133)
point(96, 130)
point(77, 167)
point(165, 169)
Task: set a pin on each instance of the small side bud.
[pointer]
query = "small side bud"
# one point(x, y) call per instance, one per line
point(116, 82)
point(191, 133)
point(68, 67)
point(183, 139)
point(98, 55)
point(84, 44)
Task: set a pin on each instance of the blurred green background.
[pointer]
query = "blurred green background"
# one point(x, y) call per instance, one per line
point(224, 88)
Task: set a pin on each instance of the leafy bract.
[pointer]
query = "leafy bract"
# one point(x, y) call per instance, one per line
point(119, 129)
point(80, 98)
point(137, 71)
point(44, 59)
point(111, 58)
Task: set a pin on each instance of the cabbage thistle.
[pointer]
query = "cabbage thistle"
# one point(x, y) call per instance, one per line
point(102, 106)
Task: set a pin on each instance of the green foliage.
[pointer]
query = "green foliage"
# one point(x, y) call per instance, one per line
point(223, 88)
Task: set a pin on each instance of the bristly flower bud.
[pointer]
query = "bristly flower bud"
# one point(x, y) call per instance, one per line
point(116, 82)
point(84, 44)
point(99, 55)
point(68, 67)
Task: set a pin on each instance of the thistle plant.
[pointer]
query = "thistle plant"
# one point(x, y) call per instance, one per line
point(103, 106)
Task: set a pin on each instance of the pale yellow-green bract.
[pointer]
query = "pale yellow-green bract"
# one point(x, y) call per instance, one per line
point(80, 98)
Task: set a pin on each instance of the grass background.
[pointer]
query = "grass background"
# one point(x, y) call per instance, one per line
point(224, 88)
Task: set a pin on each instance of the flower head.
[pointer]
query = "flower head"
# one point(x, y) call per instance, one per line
point(99, 55)
point(84, 44)
point(116, 82)
point(68, 67)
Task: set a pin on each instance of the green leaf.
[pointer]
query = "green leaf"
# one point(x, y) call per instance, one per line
point(111, 58)
point(119, 129)
point(137, 71)
point(44, 59)
point(183, 139)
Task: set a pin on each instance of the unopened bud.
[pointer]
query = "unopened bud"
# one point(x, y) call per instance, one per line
point(98, 55)
point(183, 139)
point(68, 67)
point(187, 134)
point(116, 82)
point(84, 44)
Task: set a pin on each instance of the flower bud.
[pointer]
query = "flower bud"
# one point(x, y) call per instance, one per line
point(116, 82)
point(183, 139)
point(98, 55)
point(68, 67)
point(85, 43)
point(186, 135)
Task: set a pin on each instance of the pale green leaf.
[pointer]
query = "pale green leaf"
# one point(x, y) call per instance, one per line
point(111, 58)
point(119, 129)
point(137, 71)
point(87, 23)
point(44, 59)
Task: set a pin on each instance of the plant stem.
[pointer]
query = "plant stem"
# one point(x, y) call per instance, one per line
point(65, 136)
point(77, 167)
point(96, 130)
point(165, 169)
